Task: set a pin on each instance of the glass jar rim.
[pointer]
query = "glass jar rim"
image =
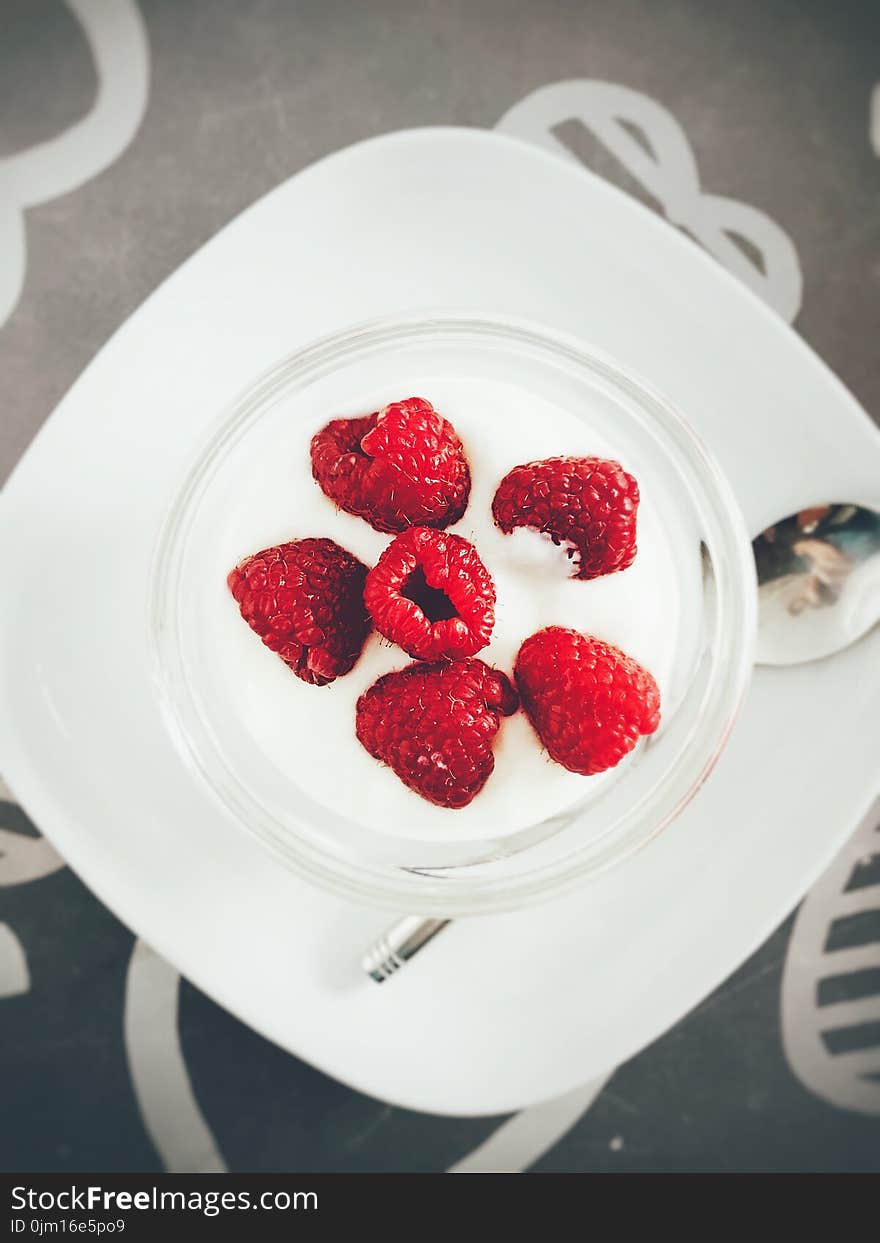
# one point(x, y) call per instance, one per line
point(453, 892)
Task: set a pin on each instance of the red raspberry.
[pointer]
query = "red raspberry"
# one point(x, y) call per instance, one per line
point(434, 725)
point(588, 701)
point(401, 467)
point(430, 593)
point(305, 601)
point(587, 503)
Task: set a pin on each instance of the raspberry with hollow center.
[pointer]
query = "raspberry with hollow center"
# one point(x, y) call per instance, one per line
point(305, 601)
point(430, 593)
point(434, 726)
point(587, 503)
point(588, 701)
point(402, 466)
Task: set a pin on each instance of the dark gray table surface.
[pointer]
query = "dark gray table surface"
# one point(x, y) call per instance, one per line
point(780, 104)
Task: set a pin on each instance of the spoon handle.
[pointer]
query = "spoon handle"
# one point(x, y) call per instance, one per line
point(398, 944)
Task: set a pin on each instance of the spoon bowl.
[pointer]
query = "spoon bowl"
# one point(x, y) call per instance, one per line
point(818, 582)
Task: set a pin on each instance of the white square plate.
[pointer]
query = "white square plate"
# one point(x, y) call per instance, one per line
point(499, 1012)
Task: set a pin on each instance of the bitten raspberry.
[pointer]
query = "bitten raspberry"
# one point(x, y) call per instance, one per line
point(586, 503)
point(403, 466)
point(434, 726)
point(305, 601)
point(430, 593)
point(587, 701)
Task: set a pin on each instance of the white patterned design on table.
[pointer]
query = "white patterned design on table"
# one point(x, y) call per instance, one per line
point(848, 1079)
point(14, 975)
point(663, 162)
point(118, 42)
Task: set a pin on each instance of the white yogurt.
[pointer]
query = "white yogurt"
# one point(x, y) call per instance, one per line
point(308, 732)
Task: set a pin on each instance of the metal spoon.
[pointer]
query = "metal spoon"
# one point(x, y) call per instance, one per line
point(818, 582)
point(818, 591)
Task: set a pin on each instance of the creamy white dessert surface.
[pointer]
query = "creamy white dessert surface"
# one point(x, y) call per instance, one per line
point(308, 733)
